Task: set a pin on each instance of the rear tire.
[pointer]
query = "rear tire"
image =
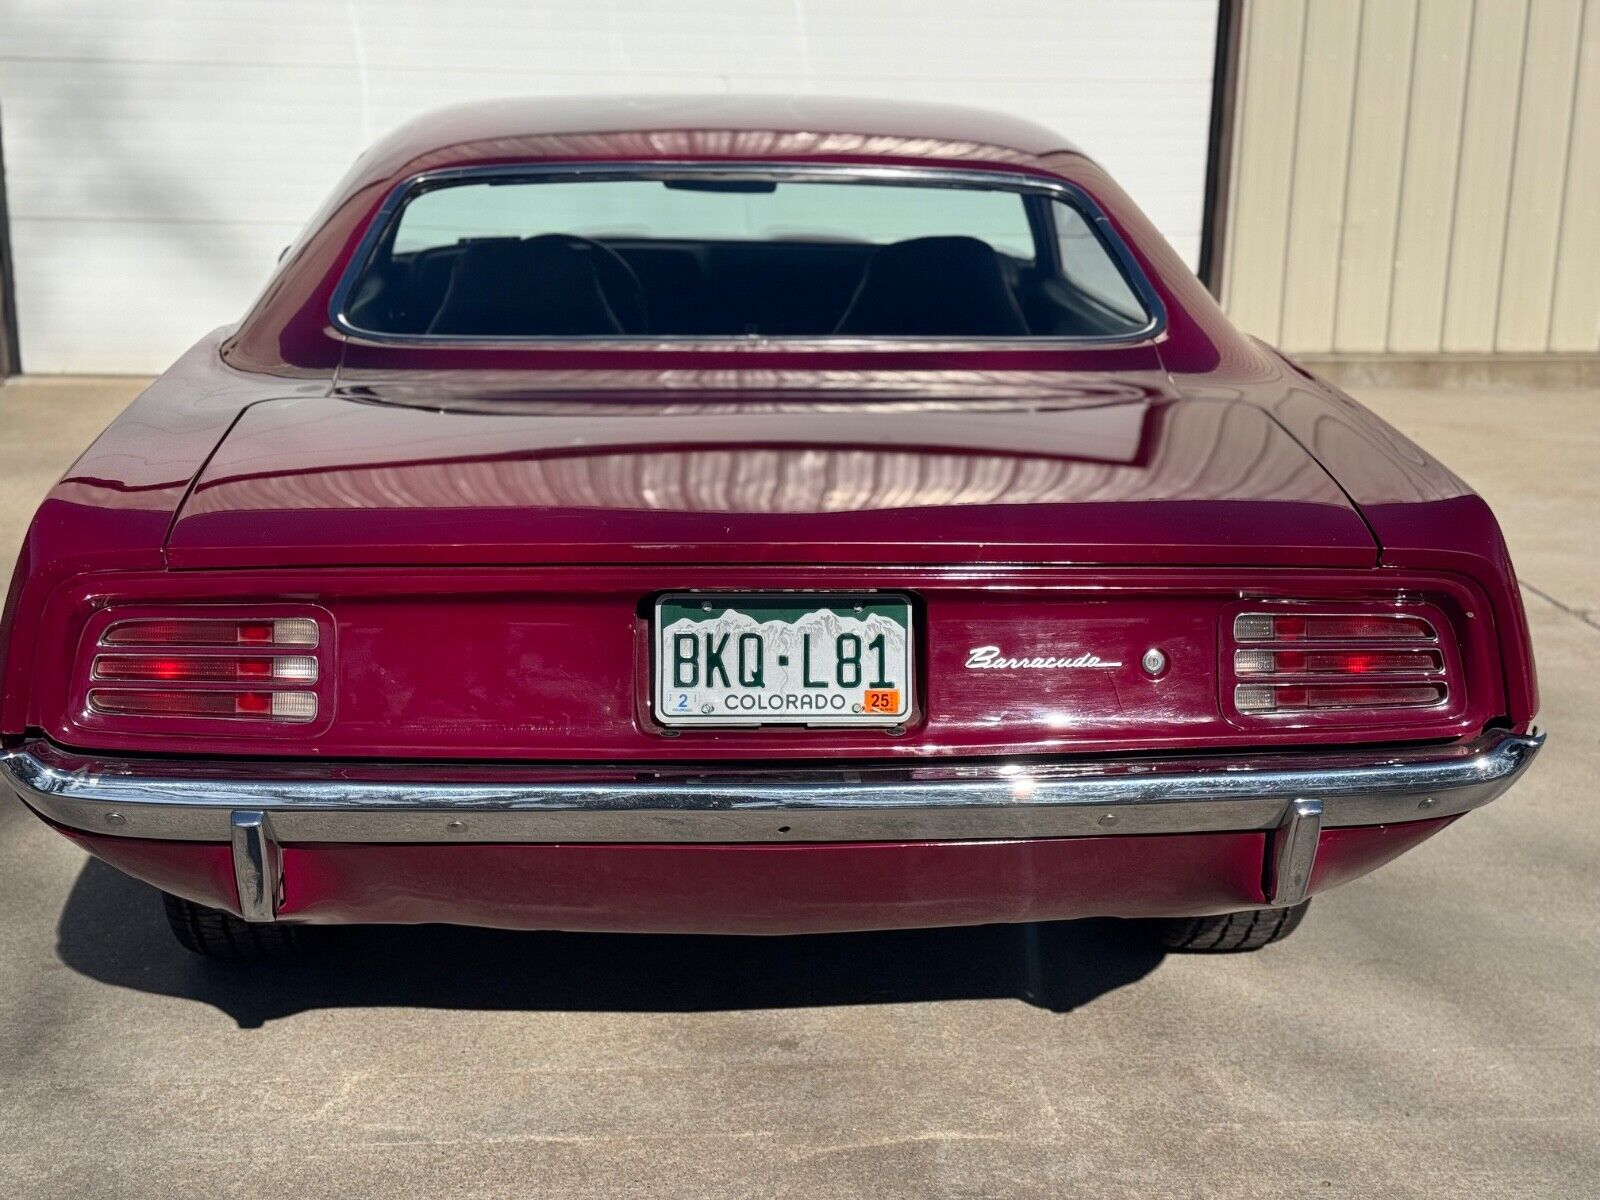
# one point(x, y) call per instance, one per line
point(1229, 933)
point(223, 937)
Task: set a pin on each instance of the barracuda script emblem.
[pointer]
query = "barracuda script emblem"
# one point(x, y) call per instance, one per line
point(989, 658)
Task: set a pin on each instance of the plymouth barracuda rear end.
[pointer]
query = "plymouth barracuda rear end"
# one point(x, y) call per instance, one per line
point(671, 517)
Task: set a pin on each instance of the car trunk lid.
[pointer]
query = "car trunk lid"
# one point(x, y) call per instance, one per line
point(1113, 469)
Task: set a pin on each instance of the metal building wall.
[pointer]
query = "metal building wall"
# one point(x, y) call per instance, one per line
point(159, 153)
point(1417, 177)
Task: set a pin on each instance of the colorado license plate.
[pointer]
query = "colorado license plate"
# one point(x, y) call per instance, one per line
point(793, 659)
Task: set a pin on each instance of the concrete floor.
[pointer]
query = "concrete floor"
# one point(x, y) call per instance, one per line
point(1430, 1031)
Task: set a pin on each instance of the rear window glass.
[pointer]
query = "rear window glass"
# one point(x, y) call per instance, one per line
point(638, 208)
point(708, 256)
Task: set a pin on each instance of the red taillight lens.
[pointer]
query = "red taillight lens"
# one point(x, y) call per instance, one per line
point(1300, 697)
point(210, 631)
point(256, 706)
point(1336, 627)
point(1337, 662)
point(291, 668)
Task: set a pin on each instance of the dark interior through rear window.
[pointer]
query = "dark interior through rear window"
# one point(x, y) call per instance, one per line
point(726, 256)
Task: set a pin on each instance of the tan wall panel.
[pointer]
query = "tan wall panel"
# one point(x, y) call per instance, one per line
point(1483, 185)
point(1538, 176)
point(1418, 176)
point(1575, 315)
point(1321, 163)
point(1377, 157)
point(1427, 199)
point(1273, 40)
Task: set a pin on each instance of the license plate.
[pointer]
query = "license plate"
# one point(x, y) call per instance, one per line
point(792, 659)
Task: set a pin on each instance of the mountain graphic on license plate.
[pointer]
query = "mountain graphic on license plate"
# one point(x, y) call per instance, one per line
point(785, 659)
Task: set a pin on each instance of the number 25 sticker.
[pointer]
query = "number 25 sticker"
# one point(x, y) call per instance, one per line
point(881, 700)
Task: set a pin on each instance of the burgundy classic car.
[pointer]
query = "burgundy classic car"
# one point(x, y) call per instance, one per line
point(750, 516)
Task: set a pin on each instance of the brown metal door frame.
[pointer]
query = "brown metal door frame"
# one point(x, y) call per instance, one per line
point(10, 348)
point(1219, 151)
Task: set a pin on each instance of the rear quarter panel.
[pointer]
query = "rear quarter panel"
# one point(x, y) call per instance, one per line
point(112, 508)
point(1421, 514)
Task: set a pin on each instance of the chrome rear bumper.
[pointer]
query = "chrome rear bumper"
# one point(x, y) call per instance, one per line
point(330, 802)
point(258, 806)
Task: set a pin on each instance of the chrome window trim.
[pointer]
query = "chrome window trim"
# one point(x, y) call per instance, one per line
point(1017, 181)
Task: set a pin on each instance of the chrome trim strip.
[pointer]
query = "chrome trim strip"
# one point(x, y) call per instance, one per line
point(331, 802)
point(1296, 854)
point(257, 865)
point(763, 171)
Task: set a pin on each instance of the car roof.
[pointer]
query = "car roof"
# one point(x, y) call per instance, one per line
point(559, 118)
point(288, 327)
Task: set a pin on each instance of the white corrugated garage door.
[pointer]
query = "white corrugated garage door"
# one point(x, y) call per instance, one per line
point(159, 153)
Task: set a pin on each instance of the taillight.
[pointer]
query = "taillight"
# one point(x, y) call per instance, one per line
point(1337, 662)
point(249, 706)
point(299, 668)
point(210, 631)
point(1350, 663)
point(1303, 697)
point(1335, 627)
point(247, 668)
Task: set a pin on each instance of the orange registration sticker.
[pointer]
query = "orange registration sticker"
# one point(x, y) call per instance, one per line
point(882, 700)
